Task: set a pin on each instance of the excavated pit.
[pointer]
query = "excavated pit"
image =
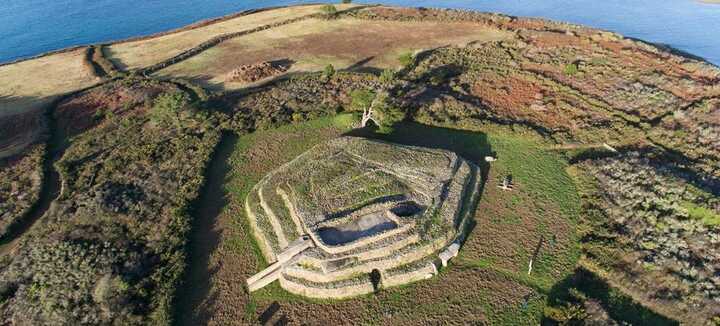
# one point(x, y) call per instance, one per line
point(364, 226)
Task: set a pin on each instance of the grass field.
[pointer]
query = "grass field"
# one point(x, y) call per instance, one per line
point(138, 54)
point(488, 282)
point(33, 83)
point(312, 44)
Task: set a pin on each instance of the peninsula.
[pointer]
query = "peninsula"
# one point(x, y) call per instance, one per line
point(361, 164)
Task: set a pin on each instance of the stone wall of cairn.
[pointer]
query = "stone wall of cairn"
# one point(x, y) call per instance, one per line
point(359, 286)
point(386, 263)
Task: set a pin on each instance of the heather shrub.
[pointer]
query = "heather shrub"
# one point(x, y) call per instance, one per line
point(167, 108)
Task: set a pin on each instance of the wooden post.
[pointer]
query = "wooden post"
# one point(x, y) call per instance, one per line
point(535, 254)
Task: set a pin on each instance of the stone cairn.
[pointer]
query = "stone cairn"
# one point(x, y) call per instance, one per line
point(254, 72)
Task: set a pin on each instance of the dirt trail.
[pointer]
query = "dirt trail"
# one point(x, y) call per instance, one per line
point(49, 190)
point(194, 302)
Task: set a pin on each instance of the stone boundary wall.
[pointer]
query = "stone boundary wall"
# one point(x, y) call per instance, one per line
point(222, 38)
point(361, 288)
point(291, 209)
point(371, 247)
point(382, 206)
point(452, 205)
point(276, 208)
point(467, 215)
point(198, 24)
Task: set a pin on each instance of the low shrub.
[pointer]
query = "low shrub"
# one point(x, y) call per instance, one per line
point(571, 69)
point(406, 59)
point(387, 76)
point(167, 107)
point(329, 11)
point(329, 71)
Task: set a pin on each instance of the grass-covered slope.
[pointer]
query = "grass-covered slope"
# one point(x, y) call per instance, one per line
point(110, 248)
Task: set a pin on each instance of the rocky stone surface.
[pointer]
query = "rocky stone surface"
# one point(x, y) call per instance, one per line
point(366, 205)
point(254, 72)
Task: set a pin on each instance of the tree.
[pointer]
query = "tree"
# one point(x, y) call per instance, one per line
point(361, 99)
point(376, 108)
point(386, 115)
point(329, 71)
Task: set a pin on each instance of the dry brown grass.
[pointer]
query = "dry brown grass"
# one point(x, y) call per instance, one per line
point(137, 54)
point(314, 43)
point(29, 84)
point(27, 87)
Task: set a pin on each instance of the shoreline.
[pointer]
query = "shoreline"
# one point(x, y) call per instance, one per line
point(197, 24)
point(210, 21)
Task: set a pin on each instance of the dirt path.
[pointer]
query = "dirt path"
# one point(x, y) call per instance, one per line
point(49, 190)
point(195, 301)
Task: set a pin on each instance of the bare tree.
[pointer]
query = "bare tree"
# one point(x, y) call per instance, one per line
point(378, 110)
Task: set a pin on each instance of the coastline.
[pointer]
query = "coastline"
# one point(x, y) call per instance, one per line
point(197, 24)
point(210, 21)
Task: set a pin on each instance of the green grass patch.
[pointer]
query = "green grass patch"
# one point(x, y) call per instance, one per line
point(697, 212)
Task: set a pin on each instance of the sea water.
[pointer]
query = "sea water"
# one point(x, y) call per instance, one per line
point(31, 27)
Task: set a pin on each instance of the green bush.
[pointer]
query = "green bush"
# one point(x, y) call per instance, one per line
point(329, 11)
point(406, 59)
point(167, 108)
point(567, 314)
point(387, 116)
point(329, 71)
point(361, 99)
point(346, 1)
point(387, 76)
point(571, 69)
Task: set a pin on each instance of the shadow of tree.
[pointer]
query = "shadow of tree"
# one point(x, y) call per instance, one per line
point(618, 306)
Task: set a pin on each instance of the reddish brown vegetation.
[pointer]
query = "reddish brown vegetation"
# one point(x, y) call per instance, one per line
point(85, 110)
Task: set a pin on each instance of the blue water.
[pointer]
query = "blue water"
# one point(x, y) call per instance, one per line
point(30, 27)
